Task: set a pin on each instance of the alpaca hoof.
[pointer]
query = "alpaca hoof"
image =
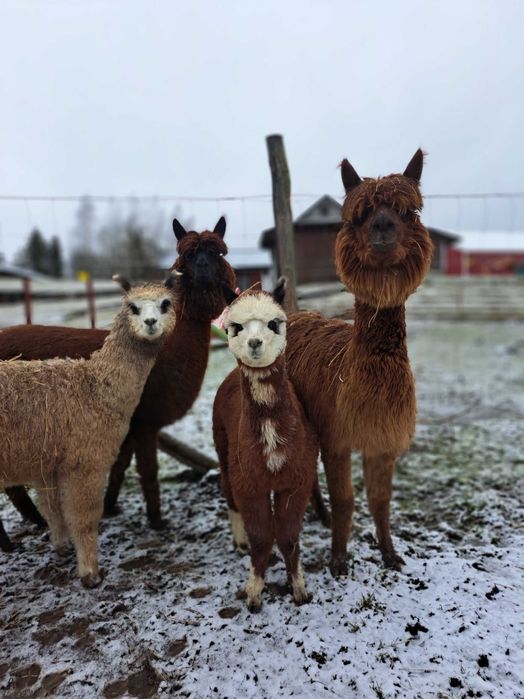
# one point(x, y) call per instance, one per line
point(112, 510)
point(392, 560)
point(254, 605)
point(325, 519)
point(339, 566)
point(38, 521)
point(8, 546)
point(63, 550)
point(91, 580)
point(157, 522)
point(302, 598)
point(242, 549)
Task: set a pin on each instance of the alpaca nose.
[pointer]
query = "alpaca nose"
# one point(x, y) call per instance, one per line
point(150, 321)
point(382, 232)
point(254, 343)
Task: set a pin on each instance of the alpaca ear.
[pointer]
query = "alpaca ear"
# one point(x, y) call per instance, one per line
point(279, 292)
point(229, 294)
point(169, 283)
point(414, 168)
point(220, 228)
point(124, 283)
point(178, 229)
point(350, 178)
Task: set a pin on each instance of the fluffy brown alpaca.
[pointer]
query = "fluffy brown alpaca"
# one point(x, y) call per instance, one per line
point(355, 381)
point(176, 379)
point(264, 442)
point(62, 421)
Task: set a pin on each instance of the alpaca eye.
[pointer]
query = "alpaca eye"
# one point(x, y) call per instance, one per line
point(273, 325)
point(235, 329)
point(134, 309)
point(165, 305)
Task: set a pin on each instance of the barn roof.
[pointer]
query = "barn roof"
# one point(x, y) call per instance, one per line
point(326, 211)
point(20, 272)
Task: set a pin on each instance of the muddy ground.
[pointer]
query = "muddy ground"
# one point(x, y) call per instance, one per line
point(167, 620)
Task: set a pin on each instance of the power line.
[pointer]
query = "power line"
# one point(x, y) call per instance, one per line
point(108, 198)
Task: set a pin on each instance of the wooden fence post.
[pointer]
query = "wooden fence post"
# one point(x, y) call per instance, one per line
point(90, 292)
point(284, 231)
point(27, 299)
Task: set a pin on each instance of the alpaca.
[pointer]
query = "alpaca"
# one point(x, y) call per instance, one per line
point(176, 379)
point(264, 442)
point(355, 381)
point(62, 421)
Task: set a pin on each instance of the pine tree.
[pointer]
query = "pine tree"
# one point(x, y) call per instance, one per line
point(55, 260)
point(36, 254)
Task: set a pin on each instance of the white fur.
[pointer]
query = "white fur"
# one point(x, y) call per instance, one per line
point(262, 393)
point(275, 461)
point(253, 312)
point(149, 309)
point(298, 583)
point(254, 587)
point(239, 531)
point(271, 440)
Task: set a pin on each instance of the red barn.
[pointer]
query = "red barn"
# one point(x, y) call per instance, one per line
point(486, 253)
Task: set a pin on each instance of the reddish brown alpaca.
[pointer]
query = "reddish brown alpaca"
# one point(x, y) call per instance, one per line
point(264, 443)
point(355, 382)
point(177, 376)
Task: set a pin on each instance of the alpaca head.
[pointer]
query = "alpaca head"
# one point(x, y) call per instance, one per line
point(202, 270)
point(149, 308)
point(383, 252)
point(256, 326)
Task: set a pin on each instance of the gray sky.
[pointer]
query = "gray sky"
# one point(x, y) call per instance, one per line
point(139, 97)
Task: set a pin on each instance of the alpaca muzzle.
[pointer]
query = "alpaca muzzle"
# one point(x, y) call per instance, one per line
point(382, 237)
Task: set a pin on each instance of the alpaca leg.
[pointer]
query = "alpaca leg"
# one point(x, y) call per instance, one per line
point(23, 503)
point(82, 502)
point(318, 504)
point(147, 467)
point(5, 542)
point(258, 518)
point(289, 514)
point(340, 486)
point(49, 503)
point(240, 540)
point(378, 478)
point(116, 476)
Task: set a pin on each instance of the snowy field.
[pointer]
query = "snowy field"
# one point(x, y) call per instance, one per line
point(167, 620)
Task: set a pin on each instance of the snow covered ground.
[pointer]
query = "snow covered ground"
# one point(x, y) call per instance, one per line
point(167, 620)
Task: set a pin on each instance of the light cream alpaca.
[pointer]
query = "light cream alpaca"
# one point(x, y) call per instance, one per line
point(62, 421)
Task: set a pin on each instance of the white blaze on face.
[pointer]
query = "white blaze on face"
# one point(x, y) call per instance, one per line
point(150, 314)
point(256, 327)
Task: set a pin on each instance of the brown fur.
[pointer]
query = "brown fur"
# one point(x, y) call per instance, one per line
point(355, 381)
point(176, 379)
point(62, 422)
point(248, 482)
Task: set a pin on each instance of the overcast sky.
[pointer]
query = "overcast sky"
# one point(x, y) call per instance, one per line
point(138, 97)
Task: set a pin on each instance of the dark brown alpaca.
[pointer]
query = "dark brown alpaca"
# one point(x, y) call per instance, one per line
point(264, 442)
point(355, 381)
point(176, 378)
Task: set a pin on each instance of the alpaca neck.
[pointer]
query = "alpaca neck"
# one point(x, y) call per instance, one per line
point(266, 389)
point(379, 331)
point(268, 412)
point(199, 305)
point(123, 363)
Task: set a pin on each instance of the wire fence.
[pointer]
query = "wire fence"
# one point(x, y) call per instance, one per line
point(247, 215)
